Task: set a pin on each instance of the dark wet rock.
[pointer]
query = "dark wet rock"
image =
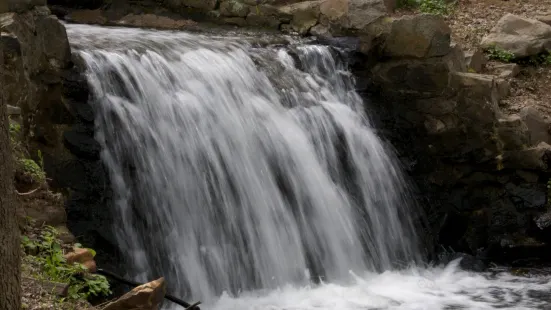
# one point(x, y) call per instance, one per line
point(521, 36)
point(467, 262)
point(81, 142)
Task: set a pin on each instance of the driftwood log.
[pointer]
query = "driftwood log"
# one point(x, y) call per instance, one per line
point(176, 300)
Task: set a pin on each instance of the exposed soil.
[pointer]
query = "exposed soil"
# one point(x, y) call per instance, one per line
point(472, 19)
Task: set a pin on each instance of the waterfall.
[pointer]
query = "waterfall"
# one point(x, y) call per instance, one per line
point(237, 167)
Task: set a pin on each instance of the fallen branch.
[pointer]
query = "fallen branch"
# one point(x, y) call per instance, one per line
point(176, 300)
point(28, 193)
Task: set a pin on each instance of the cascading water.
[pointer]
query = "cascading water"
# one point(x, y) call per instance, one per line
point(249, 172)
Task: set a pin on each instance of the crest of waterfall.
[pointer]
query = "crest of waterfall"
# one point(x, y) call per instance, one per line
point(237, 167)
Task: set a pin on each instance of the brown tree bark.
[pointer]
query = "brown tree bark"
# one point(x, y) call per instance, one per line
point(10, 289)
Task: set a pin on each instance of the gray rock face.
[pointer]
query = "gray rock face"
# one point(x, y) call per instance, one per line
point(519, 35)
point(420, 36)
point(305, 15)
point(539, 127)
point(233, 8)
point(475, 60)
point(355, 15)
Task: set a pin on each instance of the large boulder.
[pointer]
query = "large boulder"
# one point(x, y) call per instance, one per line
point(148, 296)
point(420, 36)
point(519, 35)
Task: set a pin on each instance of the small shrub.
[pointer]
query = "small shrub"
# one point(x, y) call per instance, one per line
point(30, 171)
point(542, 59)
point(437, 7)
point(15, 129)
point(49, 256)
point(496, 53)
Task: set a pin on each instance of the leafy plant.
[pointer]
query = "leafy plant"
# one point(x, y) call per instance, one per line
point(40, 160)
point(30, 169)
point(49, 256)
point(537, 60)
point(15, 128)
point(496, 53)
point(437, 7)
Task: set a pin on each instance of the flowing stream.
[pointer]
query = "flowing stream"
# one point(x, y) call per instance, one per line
point(246, 172)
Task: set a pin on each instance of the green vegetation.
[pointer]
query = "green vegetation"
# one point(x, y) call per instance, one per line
point(15, 129)
point(543, 59)
point(46, 252)
point(31, 170)
point(27, 169)
point(496, 53)
point(436, 7)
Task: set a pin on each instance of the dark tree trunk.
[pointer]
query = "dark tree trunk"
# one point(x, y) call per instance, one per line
point(10, 290)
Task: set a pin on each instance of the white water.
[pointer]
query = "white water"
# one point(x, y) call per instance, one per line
point(412, 289)
point(237, 174)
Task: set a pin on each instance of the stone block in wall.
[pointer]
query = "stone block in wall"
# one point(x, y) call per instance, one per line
point(513, 133)
point(539, 127)
point(235, 21)
point(233, 8)
point(534, 158)
point(420, 36)
point(204, 5)
point(476, 85)
point(417, 77)
point(506, 71)
point(269, 22)
point(353, 15)
point(16, 83)
point(475, 60)
point(305, 15)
